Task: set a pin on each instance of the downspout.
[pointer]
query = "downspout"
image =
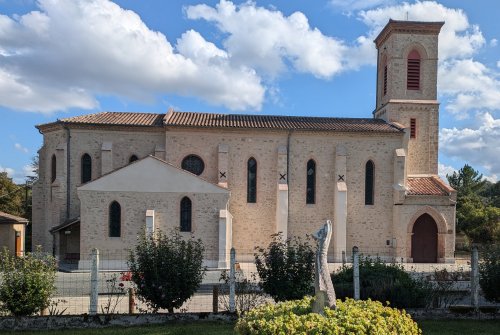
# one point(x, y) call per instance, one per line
point(288, 175)
point(68, 171)
point(376, 83)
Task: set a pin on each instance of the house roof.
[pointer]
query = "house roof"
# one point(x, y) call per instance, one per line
point(6, 218)
point(209, 120)
point(428, 185)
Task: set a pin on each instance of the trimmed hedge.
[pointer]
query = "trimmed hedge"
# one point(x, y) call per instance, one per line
point(351, 317)
point(383, 282)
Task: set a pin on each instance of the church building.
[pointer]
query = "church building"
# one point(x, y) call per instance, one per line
point(233, 180)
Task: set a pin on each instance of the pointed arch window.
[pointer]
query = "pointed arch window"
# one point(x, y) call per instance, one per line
point(53, 168)
point(132, 158)
point(86, 168)
point(252, 180)
point(369, 182)
point(413, 71)
point(115, 219)
point(311, 182)
point(186, 214)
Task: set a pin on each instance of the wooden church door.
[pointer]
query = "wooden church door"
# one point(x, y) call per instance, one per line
point(424, 240)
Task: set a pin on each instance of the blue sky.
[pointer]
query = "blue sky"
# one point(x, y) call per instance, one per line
point(63, 58)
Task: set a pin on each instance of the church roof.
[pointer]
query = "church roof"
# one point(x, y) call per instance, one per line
point(429, 185)
point(118, 118)
point(210, 120)
point(6, 218)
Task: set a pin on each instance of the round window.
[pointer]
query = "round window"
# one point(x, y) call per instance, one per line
point(193, 164)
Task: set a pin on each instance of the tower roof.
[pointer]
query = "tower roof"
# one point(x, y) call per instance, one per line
point(408, 27)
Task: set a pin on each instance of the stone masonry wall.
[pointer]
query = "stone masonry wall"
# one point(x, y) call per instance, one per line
point(95, 220)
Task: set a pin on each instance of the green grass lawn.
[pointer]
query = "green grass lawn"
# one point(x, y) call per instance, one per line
point(460, 327)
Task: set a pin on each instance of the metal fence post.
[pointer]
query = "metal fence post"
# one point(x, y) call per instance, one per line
point(355, 269)
point(94, 282)
point(474, 277)
point(232, 281)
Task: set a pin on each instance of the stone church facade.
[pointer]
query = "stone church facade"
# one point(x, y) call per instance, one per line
point(234, 180)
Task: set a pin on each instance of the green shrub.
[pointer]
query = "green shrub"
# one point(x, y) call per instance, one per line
point(27, 282)
point(489, 269)
point(286, 268)
point(351, 317)
point(167, 269)
point(383, 282)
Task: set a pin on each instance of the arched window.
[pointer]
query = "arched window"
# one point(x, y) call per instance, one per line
point(115, 219)
point(132, 158)
point(311, 182)
point(369, 182)
point(252, 180)
point(53, 169)
point(186, 214)
point(193, 164)
point(86, 168)
point(413, 71)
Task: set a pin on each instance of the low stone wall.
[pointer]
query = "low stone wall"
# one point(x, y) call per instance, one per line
point(100, 321)
point(455, 313)
point(125, 320)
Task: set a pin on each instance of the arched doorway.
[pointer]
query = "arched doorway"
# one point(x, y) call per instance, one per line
point(424, 240)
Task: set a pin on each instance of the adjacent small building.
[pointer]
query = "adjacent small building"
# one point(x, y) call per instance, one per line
point(12, 233)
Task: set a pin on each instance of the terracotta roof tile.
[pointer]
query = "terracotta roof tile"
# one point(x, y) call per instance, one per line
point(118, 118)
point(432, 185)
point(206, 120)
point(11, 219)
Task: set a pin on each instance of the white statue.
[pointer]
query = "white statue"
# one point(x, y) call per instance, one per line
point(323, 286)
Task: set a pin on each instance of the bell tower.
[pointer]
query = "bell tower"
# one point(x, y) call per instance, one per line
point(407, 57)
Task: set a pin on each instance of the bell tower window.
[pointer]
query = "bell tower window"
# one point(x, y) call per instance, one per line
point(413, 71)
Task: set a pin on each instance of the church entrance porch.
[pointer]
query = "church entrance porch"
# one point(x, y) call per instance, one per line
point(424, 240)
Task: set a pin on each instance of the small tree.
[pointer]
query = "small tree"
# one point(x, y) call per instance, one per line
point(489, 270)
point(167, 269)
point(286, 268)
point(27, 283)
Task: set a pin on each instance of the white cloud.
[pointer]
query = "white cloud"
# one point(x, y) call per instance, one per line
point(19, 147)
point(477, 146)
point(267, 40)
point(444, 170)
point(498, 63)
point(355, 5)
point(471, 86)
point(18, 176)
point(10, 171)
point(493, 42)
point(70, 51)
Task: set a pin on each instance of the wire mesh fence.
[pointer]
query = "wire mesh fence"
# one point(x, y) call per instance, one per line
point(116, 291)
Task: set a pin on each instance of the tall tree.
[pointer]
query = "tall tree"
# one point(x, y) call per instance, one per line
point(479, 221)
point(467, 181)
point(11, 196)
